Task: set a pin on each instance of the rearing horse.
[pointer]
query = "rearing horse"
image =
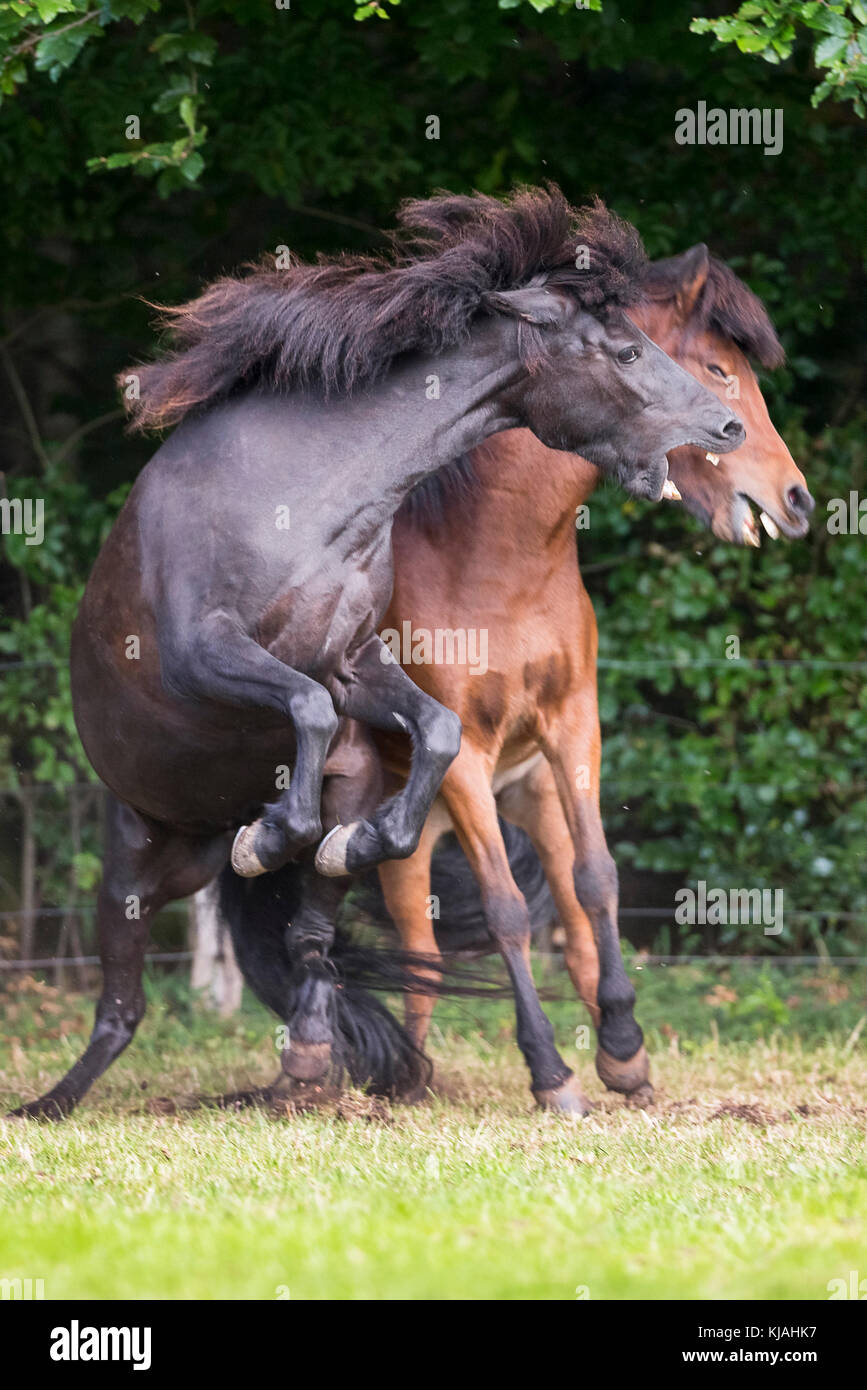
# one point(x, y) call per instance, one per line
point(233, 611)
point(488, 546)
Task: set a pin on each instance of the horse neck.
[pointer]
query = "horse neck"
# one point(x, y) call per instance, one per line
point(433, 410)
point(527, 489)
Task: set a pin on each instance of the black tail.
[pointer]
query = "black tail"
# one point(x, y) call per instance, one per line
point(372, 1046)
point(461, 925)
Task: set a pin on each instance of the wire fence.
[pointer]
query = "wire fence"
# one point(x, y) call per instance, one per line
point(57, 962)
point(642, 958)
point(679, 661)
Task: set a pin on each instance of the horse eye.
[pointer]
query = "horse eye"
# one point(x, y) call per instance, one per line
point(628, 354)
point(717, 371)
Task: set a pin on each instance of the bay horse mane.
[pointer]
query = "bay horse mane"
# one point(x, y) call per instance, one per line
point(339, 323)
point(725, 305)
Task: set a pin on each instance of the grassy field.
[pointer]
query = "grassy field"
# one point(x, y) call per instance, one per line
point(747, 1179)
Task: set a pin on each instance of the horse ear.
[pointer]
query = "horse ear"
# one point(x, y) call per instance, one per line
point(535, 305)
point(692, 269)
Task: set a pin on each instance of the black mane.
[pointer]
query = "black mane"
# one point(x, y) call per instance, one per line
point(340, 323)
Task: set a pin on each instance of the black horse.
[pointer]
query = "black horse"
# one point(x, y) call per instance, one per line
point(232, 613)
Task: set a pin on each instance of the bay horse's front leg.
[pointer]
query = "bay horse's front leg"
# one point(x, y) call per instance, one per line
point(226, 665)
point(378, 692)
point(145, 866)
point(572, 747)
point(470, 800)
point(532, 803)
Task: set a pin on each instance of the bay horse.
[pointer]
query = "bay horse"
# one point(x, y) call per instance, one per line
point(232, 613)
point(489, 546)
point(487, 556)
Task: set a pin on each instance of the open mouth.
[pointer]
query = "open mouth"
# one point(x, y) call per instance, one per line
point(650, 483)
point(738, 523)
point(747, 528)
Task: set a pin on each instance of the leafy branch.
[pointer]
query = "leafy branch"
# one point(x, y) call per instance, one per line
point(769, 28)
point(30, 31)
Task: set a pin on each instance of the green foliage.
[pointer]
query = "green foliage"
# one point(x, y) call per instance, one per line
point(53, 34)
point(55, 41)
point(770, 29)
point(749, 774)
point(374, 7)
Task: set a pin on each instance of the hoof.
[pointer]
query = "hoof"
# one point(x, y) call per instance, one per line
point(642, 1099)
point(415, 1095)
point(245, 860)
point(331, 854)
point(568, 1099)
point(45, 1108)
point(628, 1077)
point(306, 1061)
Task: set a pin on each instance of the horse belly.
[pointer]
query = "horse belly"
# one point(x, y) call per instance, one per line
point(184, 763)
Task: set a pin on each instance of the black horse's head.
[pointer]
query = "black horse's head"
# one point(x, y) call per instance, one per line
point(601, 388)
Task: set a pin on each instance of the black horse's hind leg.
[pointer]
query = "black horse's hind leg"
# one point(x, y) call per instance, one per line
point(226, 665)
point(380, 693)
point(307, 1055)
point(352, 786)
point(145, 867)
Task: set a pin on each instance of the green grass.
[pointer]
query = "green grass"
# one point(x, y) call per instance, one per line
point(747, 1180)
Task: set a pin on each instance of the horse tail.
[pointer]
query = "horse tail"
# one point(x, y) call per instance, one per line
point(459, 917)
point(338, 986)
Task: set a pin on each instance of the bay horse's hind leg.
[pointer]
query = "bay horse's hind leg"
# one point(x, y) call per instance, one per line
point(378, 692)
point(145, 866)
point(226, 665)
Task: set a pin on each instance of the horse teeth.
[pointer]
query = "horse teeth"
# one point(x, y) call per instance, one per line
point(770, 526)
point(670, 491)
point(749, 531)
point(714, 459)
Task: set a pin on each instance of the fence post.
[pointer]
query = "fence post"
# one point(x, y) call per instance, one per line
point(214, 970)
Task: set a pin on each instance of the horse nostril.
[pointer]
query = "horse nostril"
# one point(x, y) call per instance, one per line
point(733, 429)
point(800, 501)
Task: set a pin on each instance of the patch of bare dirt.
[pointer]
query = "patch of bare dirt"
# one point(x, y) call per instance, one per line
point(753, 1114)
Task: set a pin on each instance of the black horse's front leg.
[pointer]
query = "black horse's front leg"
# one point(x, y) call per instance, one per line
point(380, 693)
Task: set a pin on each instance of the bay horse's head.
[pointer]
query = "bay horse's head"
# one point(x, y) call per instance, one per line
point(704, 316)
